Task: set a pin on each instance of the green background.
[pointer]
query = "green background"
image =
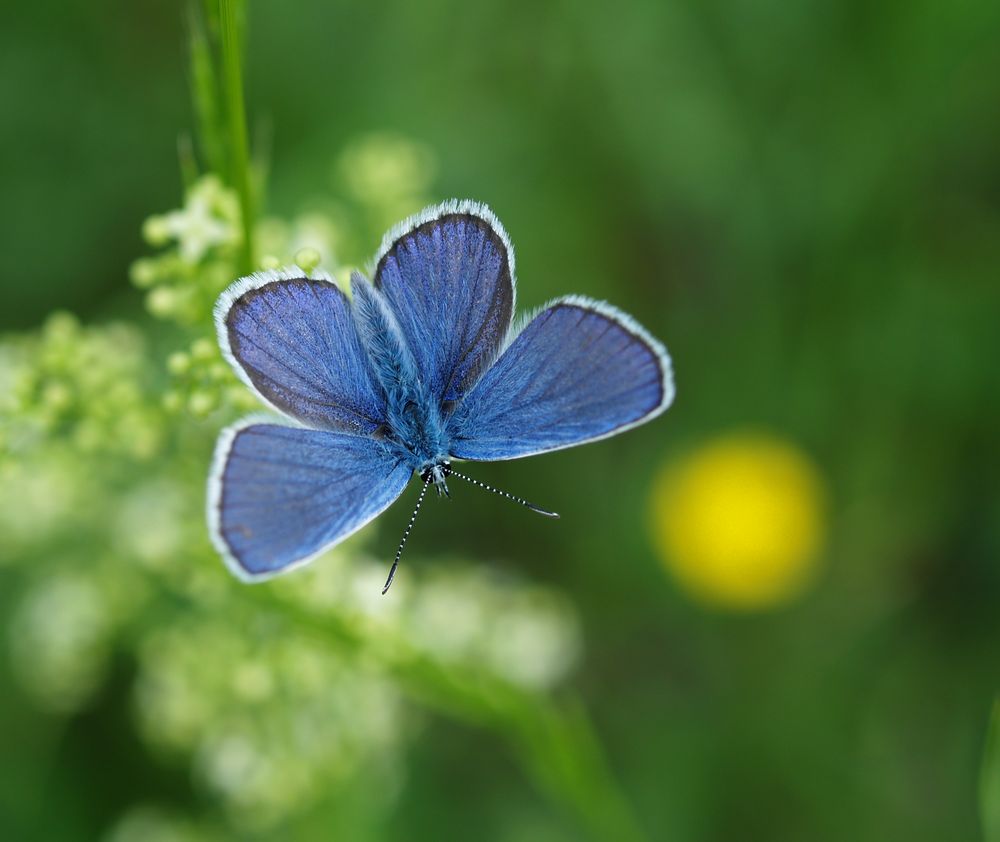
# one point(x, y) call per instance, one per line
point(802, 200)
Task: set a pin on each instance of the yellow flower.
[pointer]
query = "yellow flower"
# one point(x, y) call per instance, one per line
point(740, 521)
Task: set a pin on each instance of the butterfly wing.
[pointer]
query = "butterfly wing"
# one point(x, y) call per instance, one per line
point(579, 371)
point(279, 495)
point(293, 341)
point(448, 276)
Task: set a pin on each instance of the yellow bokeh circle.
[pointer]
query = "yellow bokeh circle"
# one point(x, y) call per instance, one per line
point(740, 521)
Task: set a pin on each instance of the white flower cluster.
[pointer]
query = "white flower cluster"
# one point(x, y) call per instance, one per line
point(463, 615)
point(81, 386)
point(273, 718)
point(276, 695)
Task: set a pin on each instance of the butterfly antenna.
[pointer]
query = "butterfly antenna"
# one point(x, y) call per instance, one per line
point(453, 473)
point(406, 533)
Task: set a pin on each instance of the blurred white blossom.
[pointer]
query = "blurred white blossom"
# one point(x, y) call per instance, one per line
point(60, 639)
point(148, 525)
point(210, 218)
point(383, 169)
point(146, 823)
point(464, 615)
point(272, 718)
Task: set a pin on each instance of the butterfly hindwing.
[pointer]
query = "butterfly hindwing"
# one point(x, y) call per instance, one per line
point(448, 276)
point(294, 342)
point(278, 494)
point(580, 370)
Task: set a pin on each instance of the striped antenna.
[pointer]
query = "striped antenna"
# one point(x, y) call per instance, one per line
point(406, 533)
point(449, 471)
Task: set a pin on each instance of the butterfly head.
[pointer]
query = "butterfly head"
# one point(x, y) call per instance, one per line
point(437, 473)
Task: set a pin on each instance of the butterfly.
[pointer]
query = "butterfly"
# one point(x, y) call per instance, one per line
point(419, 367)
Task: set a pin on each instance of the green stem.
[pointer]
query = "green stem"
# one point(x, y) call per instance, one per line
point(559, 748)
point(206, 91)
point(232, 75)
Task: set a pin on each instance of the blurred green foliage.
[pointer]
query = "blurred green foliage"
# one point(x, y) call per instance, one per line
point(989, 785)
point(800, 200)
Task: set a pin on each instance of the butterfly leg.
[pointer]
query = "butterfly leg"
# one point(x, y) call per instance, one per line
point(438, 474)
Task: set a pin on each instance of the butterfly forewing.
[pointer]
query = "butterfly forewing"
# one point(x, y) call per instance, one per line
point(448, 277)
point(294, 341)
point(579, 371)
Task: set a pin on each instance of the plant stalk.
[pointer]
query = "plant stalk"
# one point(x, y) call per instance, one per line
point(232, 80)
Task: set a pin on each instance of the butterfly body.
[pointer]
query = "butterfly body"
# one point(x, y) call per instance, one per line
point(415, 426)
point(421, 366)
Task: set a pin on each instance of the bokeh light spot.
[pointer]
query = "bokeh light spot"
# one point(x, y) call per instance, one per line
point(740, 521)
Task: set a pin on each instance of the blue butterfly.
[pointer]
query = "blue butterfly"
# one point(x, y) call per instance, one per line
point(419, 367)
